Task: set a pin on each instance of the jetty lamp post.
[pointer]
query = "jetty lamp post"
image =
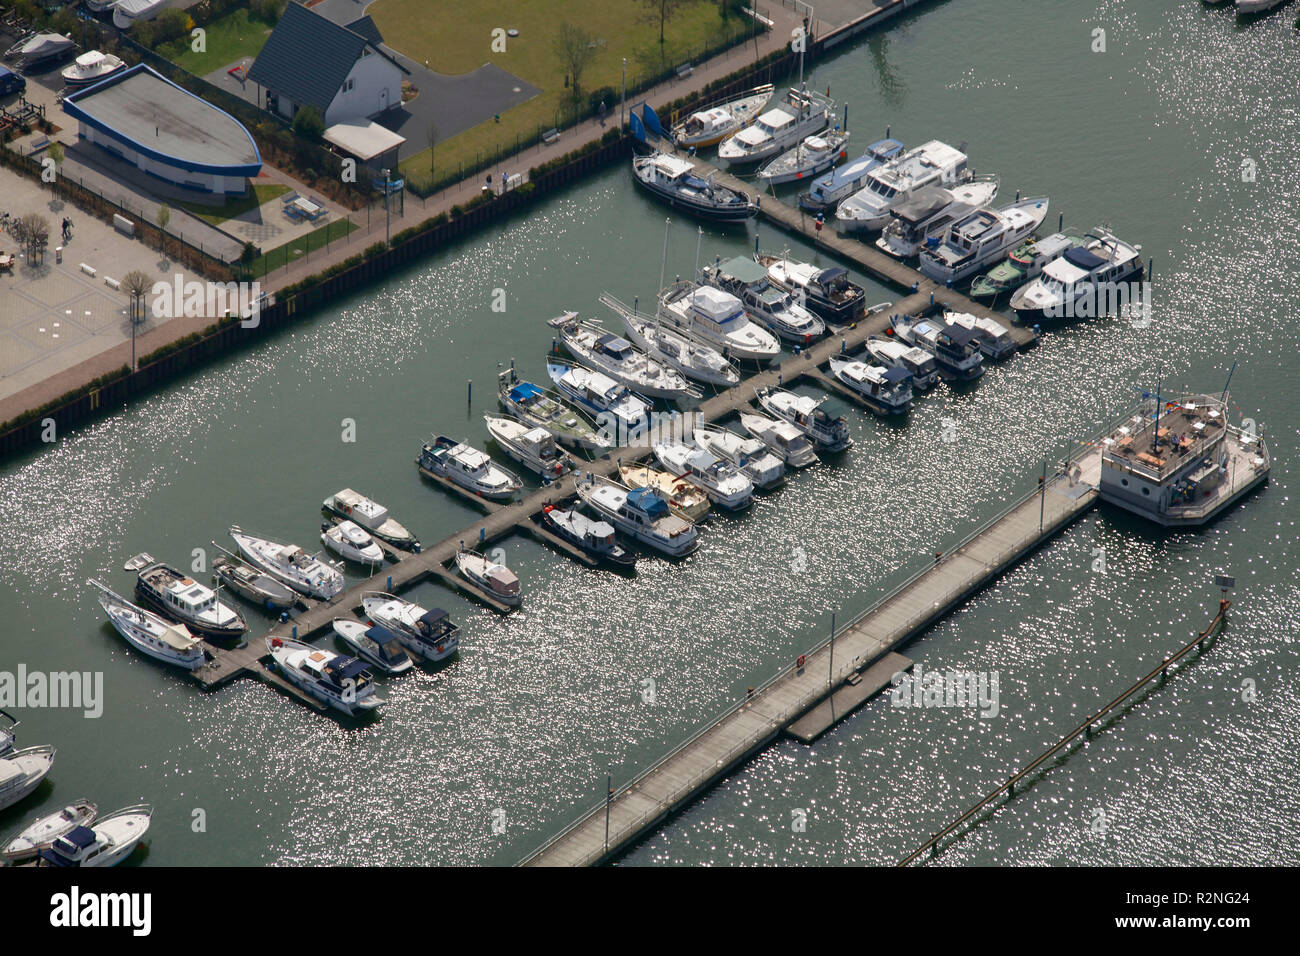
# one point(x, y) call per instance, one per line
point(388, 173)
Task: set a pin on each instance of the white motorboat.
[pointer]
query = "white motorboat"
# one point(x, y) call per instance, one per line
point(717, 318)
point(1074, 284)
point(8, 723)
point(429, 635)
point(813, 156)
point(885, 390)
point(374, 517)
point(535, 405)
point(126, 13)
point(982, 238)
point(1249, 7)
point(931, 212)
point(750, 455)
point(828, 191)
point(43, 831)
point(91, 67)
point(147, 632)
point(289, 565)
point(596, 538)
point(641, 514)
point(955, 349)
point(889, 186)
point(106, 842)
point(177, 596)
point(604, 351)
point(695, 360)
point(334, 679)
point(38, 47)
point(1023, 264)
point(22, 772)
point(917, 362)
point(374, 643)
point(684, 499)
point(469, 468)
point(497, 580)
point(802, 113)
point(718, 479)
point(531, 445)
point(349, 540)
point(618, 412)
point(785, 440)
point(994, 338)
point(712, 125)
point(806, 414)
point(830, 293)
point(763, 300)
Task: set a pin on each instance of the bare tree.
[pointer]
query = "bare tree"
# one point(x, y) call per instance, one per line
point(575, 48)
point(431, 136)
point(164, 217)
point(36, 234)
point(137, 284)
point(662, 10)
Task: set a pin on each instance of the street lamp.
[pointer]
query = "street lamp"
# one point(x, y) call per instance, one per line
point(387, 207)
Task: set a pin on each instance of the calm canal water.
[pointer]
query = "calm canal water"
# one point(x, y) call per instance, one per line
point(1149, 136)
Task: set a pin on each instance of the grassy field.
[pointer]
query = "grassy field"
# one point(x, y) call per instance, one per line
point(624, 28)
point(214, 215)
point(230, 38)
point(303, 246)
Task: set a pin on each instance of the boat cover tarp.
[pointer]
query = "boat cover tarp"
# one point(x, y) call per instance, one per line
point(381, 635)
point(896, 374)
point(648, 501)
point(525, 391)
point(1083, 259)
point(924, 204)
point(827, 276)
point(81, 837)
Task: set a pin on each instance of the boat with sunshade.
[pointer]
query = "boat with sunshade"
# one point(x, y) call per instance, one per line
point(828, 292)
point(886, 390)
point(533, 404)
point(955, 349)
point(429, 635)
point(337, 680)
point(893, 353)
point(373, 643)
point(289, 564)
point(640, 513)
point(1075, 283)
point(595, 538)
point(710, 126)
point(106, 841)
point(43, 831)
point(149, 633)
point(619, 413)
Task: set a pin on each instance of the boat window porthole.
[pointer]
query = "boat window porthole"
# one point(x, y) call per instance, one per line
point(1124, 482)
point(1146, 491)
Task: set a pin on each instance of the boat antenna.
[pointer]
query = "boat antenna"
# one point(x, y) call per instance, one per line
point(1155, 433)
point(663, 262)
point(699, 237)
point(1224, 397)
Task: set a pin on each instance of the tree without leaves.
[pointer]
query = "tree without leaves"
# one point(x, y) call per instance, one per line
point(575, 48)
point(662, 10)
point(36, 234)
point(136, 284)
point(431, 134)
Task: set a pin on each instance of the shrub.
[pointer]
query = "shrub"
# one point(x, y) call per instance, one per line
point(308, 124)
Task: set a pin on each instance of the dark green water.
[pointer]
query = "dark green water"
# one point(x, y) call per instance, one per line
point(1148, 136)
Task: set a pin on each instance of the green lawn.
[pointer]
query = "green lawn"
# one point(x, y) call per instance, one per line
point(419, 28)
point(232, 37)
point(216, 215)
point(303, 246)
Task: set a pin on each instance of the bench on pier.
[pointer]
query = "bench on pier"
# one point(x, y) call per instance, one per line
point(550, 136)
point(685, 70)
point(38, 145)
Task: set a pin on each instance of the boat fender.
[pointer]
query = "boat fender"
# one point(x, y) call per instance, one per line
point(802, 660)
point(284, 616)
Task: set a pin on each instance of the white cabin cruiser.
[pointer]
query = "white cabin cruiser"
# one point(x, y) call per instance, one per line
point(885, 390)
point(8, 723)
point(105, 842)
point(889, 186)
point(497, 580)
point(955, 349)
point(22, 772)
point(982, 238)
point(603, 399)
point(828, 292)
point(531, 445)
point(181, 598)
point(917, 362)
point(930, 213)
point(604, 351)
point(813, 156)
point(43, 831)
point(712, 125)
point(641, 514)
point(787, 441)
point(750, 455)
point(349, 540)
point(374, 517)
point(1074, 284)
point(805, 413)
point(994, 338)
point(149, 633)
point(684, 499)
point(802, 113)
point(341, 682)
point(828, 191)
point(695, 360)
point(376, 644)
point(596, 538)
point(91, 67)
point(718, 479)
point(718, 318)
point(290, 565)
point(763, 300)
point(430, 635)
point(466, 466)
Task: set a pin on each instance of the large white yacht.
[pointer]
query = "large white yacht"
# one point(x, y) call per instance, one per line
point(466, 466)
point(341, 682)
point(889, 186)
point(981, 238)
point(602, 350)
point(930, 213)
point(719, 318)
point(149, 633)
point(105, 842)
point(640, 513)
point(1075, 285)
point(803, 113)
point(290, 565)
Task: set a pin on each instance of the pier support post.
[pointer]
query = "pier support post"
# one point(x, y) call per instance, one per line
point(295, 632)
point(1011, 786)
point(390, 584)
point(609, 796)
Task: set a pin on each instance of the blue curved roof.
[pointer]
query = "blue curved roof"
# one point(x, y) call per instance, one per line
point(164, 122)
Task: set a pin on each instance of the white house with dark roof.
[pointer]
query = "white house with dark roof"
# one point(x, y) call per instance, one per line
point(310, 60)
